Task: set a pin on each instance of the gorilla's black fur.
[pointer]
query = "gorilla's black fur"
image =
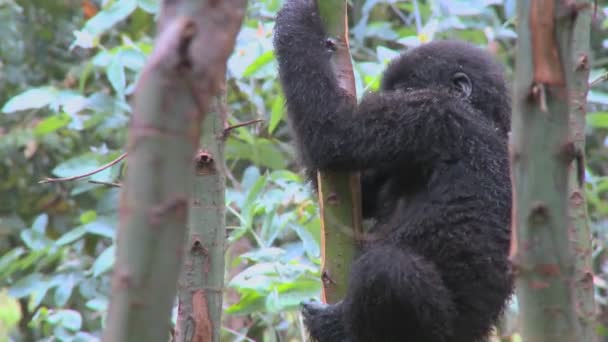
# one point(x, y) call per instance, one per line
point(432, 146)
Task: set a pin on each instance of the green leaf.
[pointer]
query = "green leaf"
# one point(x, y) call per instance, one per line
point(104, 261)
point(314, 227)
point(132, 58)
point(40, 223)
point(249, 303)
point(464, 7)
point(150, 6)
point(88, 216)
point(258, 63)
point(34, 240)
point(269, 155)
point(264, 254)
point(263, 152)
point(26, 285)
point(39, 294)
point(598, 119)
point(63, 291)
point(116, 75)
point(258, 277)
point(108, 17)
point(276, 113)
point(32, 258)
point(254, 191)
point(30, 99)
point(87, 71)
point(8, 260)
point(71, 236)
point(310, 244)
point(385, 54)
point(250, 177)
point(35, 237)
point(371, 73)
point(10, 315)
point(290, 295)
point(77, 166)
point(69, 319)
point(101, 228)
point(69, 101)
point(271, 227)
point(264, 276)
point(98, 304)
point(285, 175)
point(51, 124)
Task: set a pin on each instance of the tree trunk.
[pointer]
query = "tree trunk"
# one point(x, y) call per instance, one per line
point(339, 192)
point(202, 279)
point(553, 274)
point(578, 80)
point(182, 74)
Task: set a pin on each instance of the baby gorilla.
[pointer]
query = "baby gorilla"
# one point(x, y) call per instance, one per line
point(432, 149)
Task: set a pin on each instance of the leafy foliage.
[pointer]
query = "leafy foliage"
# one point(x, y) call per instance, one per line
point(65, 79)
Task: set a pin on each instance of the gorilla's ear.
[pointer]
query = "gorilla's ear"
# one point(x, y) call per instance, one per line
point(463, 84)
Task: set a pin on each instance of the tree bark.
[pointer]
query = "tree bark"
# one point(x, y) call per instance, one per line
point(339, 192)
point(202, 279)
point(550, 249)
point(183, 72)
point(578, 79)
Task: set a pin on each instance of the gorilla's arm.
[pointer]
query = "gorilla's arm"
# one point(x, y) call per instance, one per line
point(386, 129)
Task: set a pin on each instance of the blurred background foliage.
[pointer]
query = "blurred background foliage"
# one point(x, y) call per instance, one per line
point(67, 70)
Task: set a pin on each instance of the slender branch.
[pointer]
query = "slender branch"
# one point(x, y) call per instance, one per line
point(110, 184)
point(600, 79)
point(85, 175)
point(229, 129)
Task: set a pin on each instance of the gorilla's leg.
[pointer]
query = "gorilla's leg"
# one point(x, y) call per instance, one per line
point(397, 295)
point(324, 322)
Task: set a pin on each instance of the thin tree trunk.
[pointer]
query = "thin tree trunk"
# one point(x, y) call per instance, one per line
point(578, 80)
point(173, 94)
point(550, 269)
point(202, 279)
point(339, 192)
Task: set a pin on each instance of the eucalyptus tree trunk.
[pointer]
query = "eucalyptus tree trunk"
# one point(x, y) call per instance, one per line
point(553, 271)
point(578, 78)
point(181, 76)
point(339, 192)
point(201, 282)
